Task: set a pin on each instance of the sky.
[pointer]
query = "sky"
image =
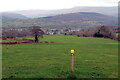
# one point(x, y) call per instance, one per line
point(13, 5)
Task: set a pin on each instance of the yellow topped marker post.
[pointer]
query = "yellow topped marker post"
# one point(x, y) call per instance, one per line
point(72, 51)
point(72, 62)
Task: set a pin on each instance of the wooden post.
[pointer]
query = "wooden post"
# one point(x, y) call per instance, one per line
point(72, 63)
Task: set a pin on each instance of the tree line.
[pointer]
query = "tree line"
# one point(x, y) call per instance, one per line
point(100, 31)
point(36, 31)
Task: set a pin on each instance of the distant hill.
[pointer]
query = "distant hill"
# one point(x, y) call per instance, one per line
point(111, 11)
point(7, 16)
point(79, 19)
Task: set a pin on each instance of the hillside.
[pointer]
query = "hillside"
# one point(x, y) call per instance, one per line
point(111, 11)
point(7, 16)
point(79, 19)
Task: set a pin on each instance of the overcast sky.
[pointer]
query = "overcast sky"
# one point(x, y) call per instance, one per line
point(12, 5)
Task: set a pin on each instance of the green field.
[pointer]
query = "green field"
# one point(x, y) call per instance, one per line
point(94, 58)
point(7, 40)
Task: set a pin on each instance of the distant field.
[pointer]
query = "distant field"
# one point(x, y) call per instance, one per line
point(94, 58)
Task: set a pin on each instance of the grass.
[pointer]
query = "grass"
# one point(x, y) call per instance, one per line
point(94, 58)
point(7, 40)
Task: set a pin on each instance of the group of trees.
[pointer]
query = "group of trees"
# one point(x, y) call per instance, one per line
point(8, 34)
point(35, 31)
point(101, 31)
point(105, 32)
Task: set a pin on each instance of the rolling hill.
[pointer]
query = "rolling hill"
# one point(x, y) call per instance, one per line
point(111, 11)
point(79, 19)
point(8, 16)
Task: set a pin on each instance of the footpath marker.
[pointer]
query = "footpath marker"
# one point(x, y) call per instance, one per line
point(72, 62)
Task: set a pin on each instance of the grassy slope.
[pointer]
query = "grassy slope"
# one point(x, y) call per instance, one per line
point(94, 57)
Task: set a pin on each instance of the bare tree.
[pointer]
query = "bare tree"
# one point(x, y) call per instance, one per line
point(37, 32)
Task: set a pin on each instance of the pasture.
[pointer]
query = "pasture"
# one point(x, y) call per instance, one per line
point(94, 58)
